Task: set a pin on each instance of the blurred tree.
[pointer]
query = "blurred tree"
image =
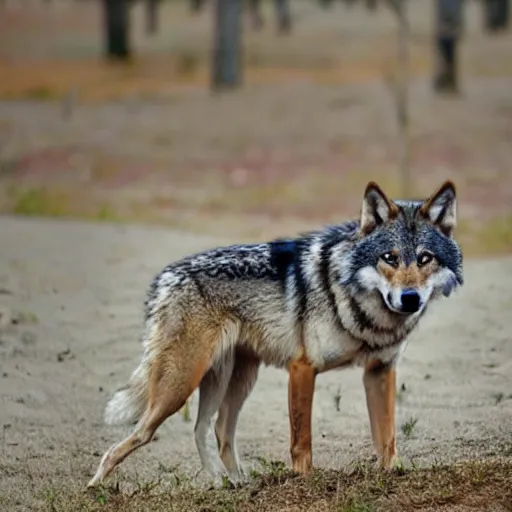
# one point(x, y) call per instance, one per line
point(152, 16)
point(257, 21)
point(448, 30)
point(284, 17)
point(227, 45)
point(402, 93)
point(496, 14)
point(371, 5)
point(117, 28)
point(283, 14)
point(196, 5)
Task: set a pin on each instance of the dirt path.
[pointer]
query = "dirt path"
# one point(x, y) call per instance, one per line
point(76, 290)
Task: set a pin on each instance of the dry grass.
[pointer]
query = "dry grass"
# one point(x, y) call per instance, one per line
point(484, 485)
point(248, 215)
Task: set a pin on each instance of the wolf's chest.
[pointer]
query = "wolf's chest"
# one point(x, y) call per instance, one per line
point(327, 348)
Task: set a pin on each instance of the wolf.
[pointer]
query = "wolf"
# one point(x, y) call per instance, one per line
point(345, 295)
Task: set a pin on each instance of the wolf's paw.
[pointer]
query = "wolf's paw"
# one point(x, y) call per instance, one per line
point(93, 482)
point(389, 464)
point(240, 477)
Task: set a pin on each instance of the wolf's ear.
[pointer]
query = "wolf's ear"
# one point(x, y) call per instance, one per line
point(377, 208)
point(441, 208)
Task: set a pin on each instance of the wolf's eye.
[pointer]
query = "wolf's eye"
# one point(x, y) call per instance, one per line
point(390, 259)
point(424, 258)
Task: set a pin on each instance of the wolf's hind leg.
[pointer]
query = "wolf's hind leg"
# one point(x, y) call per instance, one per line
point(242, 382)
point(171, 382)
point(380, 387)
point(211, 393)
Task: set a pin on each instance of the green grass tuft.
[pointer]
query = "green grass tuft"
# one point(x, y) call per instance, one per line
point(38, 202)
point(408, 427)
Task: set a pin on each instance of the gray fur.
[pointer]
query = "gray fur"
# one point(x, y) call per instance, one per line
point(309, 285)
point(345, 295)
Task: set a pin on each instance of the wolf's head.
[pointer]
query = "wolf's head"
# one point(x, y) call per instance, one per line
point(406, 252)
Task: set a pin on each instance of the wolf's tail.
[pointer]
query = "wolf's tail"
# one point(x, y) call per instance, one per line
point(129, 403)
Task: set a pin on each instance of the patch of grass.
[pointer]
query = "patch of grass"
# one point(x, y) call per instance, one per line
point(38, 202)
point(271, 468)
point(481, 485)
point(408, 427)
point(27, 317)
point(44, 202)
point(492, 236)
point(105, 213)
point(250, 211)
point(101, 499)
point(358, 506)
point(50, 496)
point(36, 92)
point(496, 235)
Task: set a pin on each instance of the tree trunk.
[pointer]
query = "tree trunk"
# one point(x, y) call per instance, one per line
point(196, 5)
point(371, 5)
point(326, 4)
point(284, 17)
point(152, 16)
point(117, 29)
point(227, 45)
point(402, 94)
point(257, 21)
point(496, 14)
point(447, 33)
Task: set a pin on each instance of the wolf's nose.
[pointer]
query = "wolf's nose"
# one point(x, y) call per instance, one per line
point(410, 301)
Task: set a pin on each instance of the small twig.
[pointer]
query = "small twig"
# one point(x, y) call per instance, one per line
point(5, 427)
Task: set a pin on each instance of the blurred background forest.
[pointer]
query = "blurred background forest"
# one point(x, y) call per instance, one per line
point(257, 118)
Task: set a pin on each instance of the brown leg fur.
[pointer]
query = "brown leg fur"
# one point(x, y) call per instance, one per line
point(380, 387)
point(170, 385)
point(301, 387)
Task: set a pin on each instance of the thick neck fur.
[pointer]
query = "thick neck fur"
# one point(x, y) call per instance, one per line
point(340, 266)
point(322, 265)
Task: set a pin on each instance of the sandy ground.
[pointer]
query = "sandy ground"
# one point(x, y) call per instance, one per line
point(75, 293)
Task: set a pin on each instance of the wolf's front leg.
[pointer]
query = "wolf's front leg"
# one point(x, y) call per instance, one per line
point(380, 387)
point(301, 386)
